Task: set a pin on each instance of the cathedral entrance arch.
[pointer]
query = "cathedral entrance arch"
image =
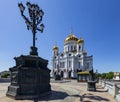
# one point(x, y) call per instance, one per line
point(62, 73)
point(69, 74)
point(54, 74)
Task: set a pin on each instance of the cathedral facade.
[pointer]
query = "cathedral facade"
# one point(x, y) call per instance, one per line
point(72, 60)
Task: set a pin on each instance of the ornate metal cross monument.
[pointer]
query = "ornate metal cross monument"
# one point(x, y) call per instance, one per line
point(33, 23)
point(30, 77)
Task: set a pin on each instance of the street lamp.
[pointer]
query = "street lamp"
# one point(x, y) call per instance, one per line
point(33, 23)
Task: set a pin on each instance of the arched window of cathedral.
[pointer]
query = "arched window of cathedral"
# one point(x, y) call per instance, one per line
point(57, 66)
point(62, 73)
point(62, 55)
point(71, 48)
point(79, 64)
point(62, 64)
point(69, 54)
point(74, 47)
point(79, 47)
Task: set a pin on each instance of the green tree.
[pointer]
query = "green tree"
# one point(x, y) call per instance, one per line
point(5, 75)
point(107, 75)
point(103, 75)
point(98, 75)
point(110, 75)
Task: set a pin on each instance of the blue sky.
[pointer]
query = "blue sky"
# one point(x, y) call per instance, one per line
point(96, 21)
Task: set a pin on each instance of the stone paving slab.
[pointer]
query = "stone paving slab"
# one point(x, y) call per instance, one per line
point(65, 91)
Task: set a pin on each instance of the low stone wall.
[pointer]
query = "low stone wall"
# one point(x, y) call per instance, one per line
point(3, 80)
point(118, 98)
point(112, 88)
point(118, 95)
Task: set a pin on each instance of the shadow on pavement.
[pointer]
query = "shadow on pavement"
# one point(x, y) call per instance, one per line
point(56, 95)
point(101, 90)
point(60, 81)
point(94, 97)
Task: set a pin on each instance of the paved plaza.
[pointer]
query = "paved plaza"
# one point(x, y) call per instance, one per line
point(65, 91)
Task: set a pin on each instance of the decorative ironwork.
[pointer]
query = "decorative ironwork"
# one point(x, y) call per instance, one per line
point(33, 22)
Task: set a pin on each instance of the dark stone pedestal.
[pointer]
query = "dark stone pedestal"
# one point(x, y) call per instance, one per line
point(91, 81)
point(91, 86)
point(30, 78)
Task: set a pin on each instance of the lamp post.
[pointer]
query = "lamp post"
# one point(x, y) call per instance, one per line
point(33, 23)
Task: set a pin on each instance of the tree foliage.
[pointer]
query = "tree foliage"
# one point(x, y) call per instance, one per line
point(108, 75)
point(5, 75)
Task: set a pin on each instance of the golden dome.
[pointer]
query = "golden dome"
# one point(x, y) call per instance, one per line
point(55, 48)
point(71, 37)
point(84, 52)
point(80, 41)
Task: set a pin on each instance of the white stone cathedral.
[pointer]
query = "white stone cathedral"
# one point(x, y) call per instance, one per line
point(72, 60)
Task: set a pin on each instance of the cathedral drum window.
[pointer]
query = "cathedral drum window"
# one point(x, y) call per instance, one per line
point(87, 65)
point(71, 48)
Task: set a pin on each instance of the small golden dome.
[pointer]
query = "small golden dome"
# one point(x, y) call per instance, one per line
point(71, 37)
point(55, 48)
point(80, 41)
point(84, 52)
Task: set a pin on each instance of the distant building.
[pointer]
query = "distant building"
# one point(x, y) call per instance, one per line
point(72, 60)
point(116, 76)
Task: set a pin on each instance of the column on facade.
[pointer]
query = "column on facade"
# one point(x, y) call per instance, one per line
point(66, 66)
point(65, 70)
point(73, 68)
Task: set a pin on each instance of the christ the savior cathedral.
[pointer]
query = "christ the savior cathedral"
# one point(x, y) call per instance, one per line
point(72, 60)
